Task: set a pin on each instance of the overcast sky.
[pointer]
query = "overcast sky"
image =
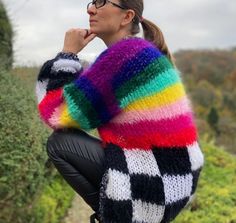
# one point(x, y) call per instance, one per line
point(40, 26)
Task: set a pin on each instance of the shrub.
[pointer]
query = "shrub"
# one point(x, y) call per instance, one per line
point(27, 188)
point(6, 36)
point(53, 202)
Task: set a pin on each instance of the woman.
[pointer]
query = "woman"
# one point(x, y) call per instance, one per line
point(146, 166)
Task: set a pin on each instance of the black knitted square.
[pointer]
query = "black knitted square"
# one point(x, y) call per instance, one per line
point(173, 209)
point(117, 211)
point(115, 158)
point(60, 80)
point(172, 161)
point(155, 191)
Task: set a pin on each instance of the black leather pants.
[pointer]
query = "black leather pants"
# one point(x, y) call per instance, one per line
point(79, 158)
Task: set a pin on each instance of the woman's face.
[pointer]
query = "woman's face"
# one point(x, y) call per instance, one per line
point(107, 19)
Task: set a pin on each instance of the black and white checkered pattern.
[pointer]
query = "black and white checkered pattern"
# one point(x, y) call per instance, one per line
point(65, 65)
point(148, 186)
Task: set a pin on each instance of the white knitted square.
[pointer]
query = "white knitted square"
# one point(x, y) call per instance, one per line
point(177, 187)
point(118, 186)
point(147, 212)
point(66, 65)
point(196, 156)
point(141, 162)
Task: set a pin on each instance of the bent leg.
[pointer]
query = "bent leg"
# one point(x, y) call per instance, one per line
point(79, 158)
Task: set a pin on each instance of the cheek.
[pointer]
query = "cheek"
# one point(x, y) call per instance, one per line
point(103, 27)
point(113, 24)
point(107, 24)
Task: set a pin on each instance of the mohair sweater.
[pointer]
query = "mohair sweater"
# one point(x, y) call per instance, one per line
point(135, 97)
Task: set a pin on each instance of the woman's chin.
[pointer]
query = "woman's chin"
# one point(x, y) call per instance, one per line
point(98, 34)
point(93, 30)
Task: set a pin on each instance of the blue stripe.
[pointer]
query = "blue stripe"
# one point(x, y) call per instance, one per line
point(134, 66)
point(95, 98)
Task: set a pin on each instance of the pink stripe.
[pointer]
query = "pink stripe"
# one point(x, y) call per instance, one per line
point(50, 102)
point(144, 127)
point(172, 110)
point(55, 117)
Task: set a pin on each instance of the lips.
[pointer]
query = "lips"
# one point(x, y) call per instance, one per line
point(92, 20)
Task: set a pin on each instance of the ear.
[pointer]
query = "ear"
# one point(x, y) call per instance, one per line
point(128, 17)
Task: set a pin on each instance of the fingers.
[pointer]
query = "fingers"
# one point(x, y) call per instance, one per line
point(89, 36)
point(78, 32)
point(76, 39)
point(87, 33)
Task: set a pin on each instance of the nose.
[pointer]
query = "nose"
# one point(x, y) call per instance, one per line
point(91, 9)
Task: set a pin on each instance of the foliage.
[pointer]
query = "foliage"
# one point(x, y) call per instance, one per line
point(210, 77)
point(210, 65)
point(6, 36)
point(23, 175)
point(213, 118)
point(22, 157)
point(53, 202)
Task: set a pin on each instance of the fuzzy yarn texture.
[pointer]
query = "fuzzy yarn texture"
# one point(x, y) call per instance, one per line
point(135, 98)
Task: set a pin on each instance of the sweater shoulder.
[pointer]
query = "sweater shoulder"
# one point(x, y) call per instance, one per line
point(128, 49)
point(134, 43)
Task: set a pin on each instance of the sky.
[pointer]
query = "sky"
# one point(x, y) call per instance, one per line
point(40, 26)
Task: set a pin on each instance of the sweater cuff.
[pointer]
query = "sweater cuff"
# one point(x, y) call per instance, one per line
point(65, 69)
point(66, 62)
point(64, 55)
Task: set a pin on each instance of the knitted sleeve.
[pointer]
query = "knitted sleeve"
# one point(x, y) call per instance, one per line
point(71, 97)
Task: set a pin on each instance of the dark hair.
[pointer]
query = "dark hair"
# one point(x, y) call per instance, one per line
point(151, 31)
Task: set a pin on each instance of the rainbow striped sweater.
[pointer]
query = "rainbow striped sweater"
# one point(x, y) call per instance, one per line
point(135, 98)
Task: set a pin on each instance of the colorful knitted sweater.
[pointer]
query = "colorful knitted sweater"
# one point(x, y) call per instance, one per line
point(135, 98)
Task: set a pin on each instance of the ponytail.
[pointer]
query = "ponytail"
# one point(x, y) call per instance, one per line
point(151, 32)
point(154, 34)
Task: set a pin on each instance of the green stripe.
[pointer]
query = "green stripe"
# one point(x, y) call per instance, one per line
point(159, 83)
point(80, 109)
point(156, 72)
point(157, 66)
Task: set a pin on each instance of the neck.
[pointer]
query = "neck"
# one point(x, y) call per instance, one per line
point(111, 39)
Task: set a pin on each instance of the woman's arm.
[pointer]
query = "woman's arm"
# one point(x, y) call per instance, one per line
point(99, 93)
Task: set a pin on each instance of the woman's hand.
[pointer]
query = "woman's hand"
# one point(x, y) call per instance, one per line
point(76, 39)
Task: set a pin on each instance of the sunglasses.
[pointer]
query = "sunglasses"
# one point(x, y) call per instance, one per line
point(100, 3)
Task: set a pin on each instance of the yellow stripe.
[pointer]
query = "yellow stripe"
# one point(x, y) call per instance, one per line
point(65, 118)
point(164, 97)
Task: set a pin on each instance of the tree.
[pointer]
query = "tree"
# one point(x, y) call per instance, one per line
point(6, 39)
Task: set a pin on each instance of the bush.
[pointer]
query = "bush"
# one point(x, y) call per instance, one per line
point(52, 204)
point(22, 156)
point(6, 36)
point(26, 186)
